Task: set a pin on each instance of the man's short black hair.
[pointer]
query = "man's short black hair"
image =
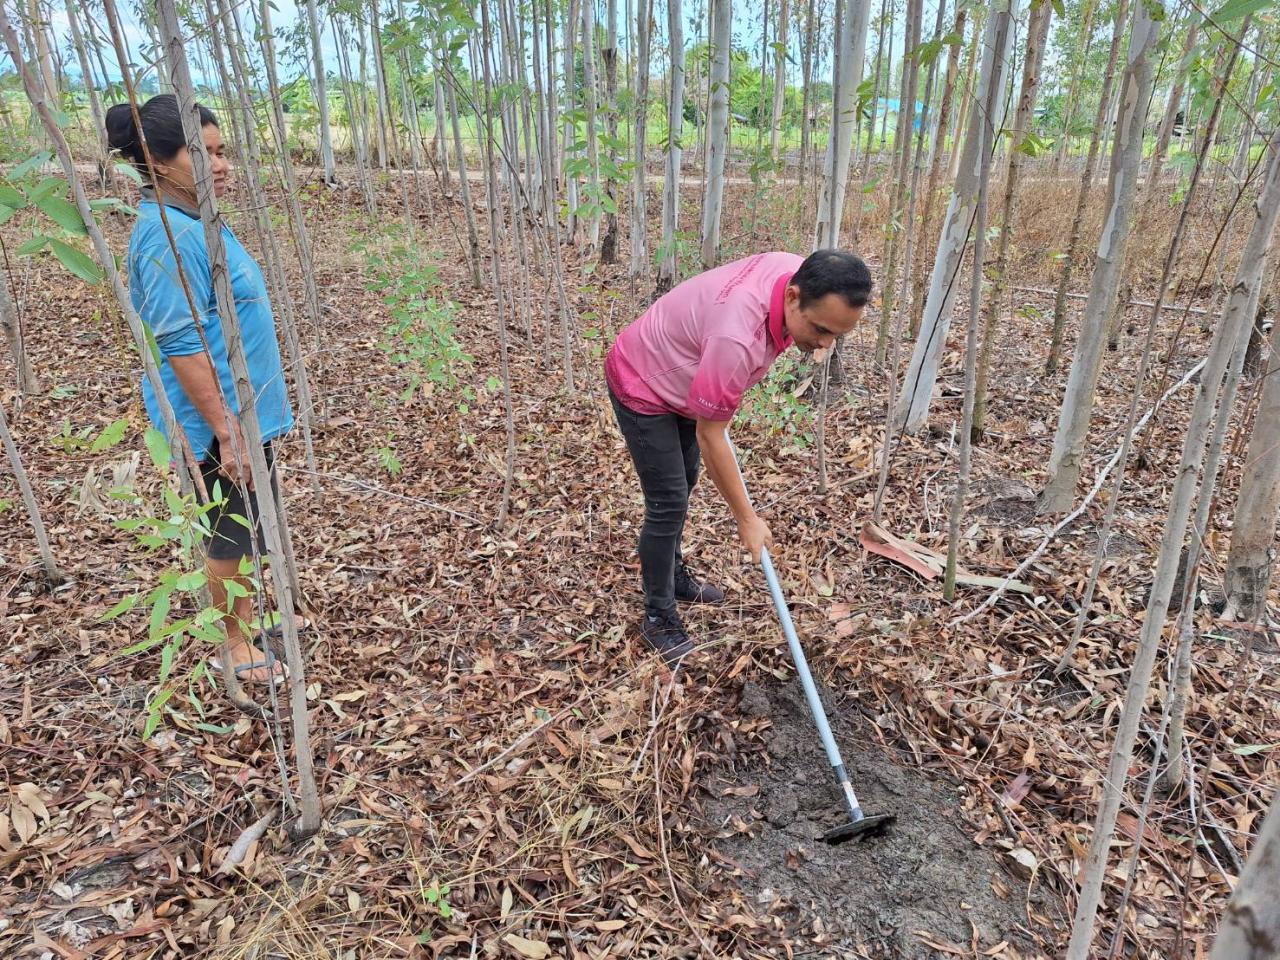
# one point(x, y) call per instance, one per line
point(833, 271)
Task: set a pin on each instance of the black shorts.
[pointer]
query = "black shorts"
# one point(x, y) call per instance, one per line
point(231, 539)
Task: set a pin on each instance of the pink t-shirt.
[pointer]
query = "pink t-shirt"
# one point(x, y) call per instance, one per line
point(701, 346)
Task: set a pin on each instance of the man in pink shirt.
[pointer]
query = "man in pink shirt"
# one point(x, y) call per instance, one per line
point(676, 377)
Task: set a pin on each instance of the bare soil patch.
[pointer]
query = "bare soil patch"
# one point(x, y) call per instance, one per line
point(921, 890)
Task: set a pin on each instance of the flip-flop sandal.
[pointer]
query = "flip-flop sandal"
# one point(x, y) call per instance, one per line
point(274, 635)
point(243, 668)
point(276, 630)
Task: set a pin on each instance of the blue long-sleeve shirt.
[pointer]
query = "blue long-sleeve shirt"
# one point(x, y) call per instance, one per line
point(157, 294)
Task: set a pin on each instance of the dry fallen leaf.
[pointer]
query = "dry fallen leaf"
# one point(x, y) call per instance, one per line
point(532, 949)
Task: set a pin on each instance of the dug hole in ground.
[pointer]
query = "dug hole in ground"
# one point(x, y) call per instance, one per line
point(922, 890)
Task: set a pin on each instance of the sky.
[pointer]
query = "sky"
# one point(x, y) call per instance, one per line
point(748, 18)
point(284, 16)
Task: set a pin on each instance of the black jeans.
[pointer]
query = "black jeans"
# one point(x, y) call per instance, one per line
point(664, 450)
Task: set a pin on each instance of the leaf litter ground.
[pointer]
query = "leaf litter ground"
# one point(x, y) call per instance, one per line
point(490, 737)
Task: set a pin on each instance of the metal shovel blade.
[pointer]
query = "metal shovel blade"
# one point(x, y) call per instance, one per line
point(866, 827)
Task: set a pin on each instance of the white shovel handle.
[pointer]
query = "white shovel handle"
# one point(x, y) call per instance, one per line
point(802, 664)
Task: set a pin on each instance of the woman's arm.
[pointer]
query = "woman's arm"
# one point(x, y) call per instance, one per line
point(200, 383)
point(718, 456)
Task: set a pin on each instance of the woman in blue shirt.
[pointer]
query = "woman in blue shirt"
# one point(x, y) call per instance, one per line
point(193, 353)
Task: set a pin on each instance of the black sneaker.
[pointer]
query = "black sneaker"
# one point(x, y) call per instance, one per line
point(689, 590)
point(665, 634)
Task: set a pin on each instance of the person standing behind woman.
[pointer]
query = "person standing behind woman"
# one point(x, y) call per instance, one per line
point(197, 380)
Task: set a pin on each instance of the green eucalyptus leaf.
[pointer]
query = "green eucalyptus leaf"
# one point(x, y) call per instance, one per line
point(75, 261)
point(63, 213)
point(31, 163)
point(111, 435)
point(130, 171)
point(10, 197)
point(123, 607)
point(32, 246)
point(1239, 9)
point(157, 448)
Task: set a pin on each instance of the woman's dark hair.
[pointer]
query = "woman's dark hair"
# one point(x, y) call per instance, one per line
point(833, 271)
point(162, 124)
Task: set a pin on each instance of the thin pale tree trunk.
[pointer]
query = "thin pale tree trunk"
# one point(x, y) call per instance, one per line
point(1250, 928)
point(668, 268)
point(275, 269)
point(876, 92)
point(321, 92)
point(570, 123)
point(464, 185)
point(1165, 133)
point(906, 307)
point(922, 373)
point(273, 522)
point(1121, 466)
point(359, 131)
point(410, 185)
point(986, 141)
point(806, 66)
point(533, 156)
point(298, 224)
point(1252, 554)
point(1082, 194)
point(1077, 403)
point(11, 324)
point(1247, 127)
point(1174, 772)
point(43, 49)
point(593, 146)
point(965, 95)
point(95, 102)
point(387, 139)
point(550, 226)
point(491, 179)
point(888, 83)
point(440, 133)
point(903, 140)
point(553, 116)
point(52, 574)
point(1037, 34)
point(548, 186)
point(1220, 82)
point(639, 196)
point(847, 74)
point(779, 79)
point(1237, 170)
point(609, 57)
point(717, 130)
point(936, 149)
point(873, 107)
point(543, 128)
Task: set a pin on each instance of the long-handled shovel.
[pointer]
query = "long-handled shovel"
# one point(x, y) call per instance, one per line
point(860, 824)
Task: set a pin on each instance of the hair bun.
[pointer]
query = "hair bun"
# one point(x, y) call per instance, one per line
point(122, 131)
